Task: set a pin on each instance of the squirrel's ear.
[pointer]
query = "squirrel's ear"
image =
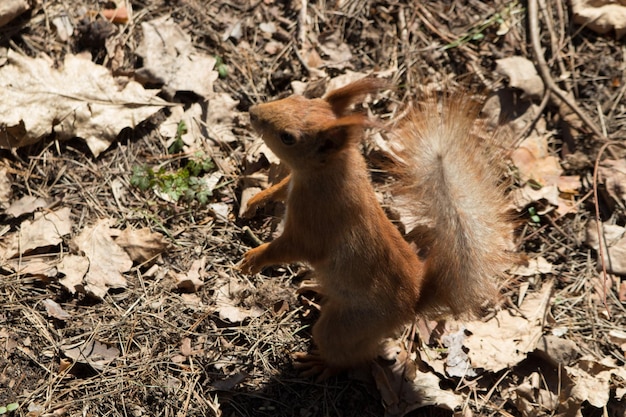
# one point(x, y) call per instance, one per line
point(341, 132)
point(343, 97)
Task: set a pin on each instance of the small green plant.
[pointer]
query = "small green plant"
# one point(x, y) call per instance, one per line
point(8, 408)
point(222, 69)
point(183, 184)
point(178, 143)
point(534, 217)
point(476, 32)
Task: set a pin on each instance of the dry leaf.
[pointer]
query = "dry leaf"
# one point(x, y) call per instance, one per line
point(5, 188)
point(74, 268)
point(522, 74)
point(507, 338)
point(192, 118)
point(142, 245)
point(534, 162)
point(613, 174)
point(227, 297)
point(193, 280)
point(47, 229)
point(107, 260)
point(81, 99)
point(591, 380)
point(10, 9)
point(600, 16)
point(558, 351)
point(170, 59)
point(457, 361)
point(403, 387)
point(93, 353)
point(614, 245)
point(55, 310)
point(537, 266)
point(27, 204)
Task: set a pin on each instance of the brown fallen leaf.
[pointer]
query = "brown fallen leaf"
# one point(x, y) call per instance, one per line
point(613, 174)
point(47, 229)
point(600, 16)
point(27, 204)
point(227, 298)
point(522, 74)
point(169, 58)
point(141, 245)
point(107, 260)
point(10, 9)
point(403, 387)
point(613, 245)
point(55, 310)
point(81, 99)
point(74, 268)
point(193, 280)
point(91, 352)
point(507, 338)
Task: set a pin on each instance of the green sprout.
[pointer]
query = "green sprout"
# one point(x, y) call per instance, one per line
point(476, 32)
point(184, 184)
point(178, 144)
point(9, 408)
point(222, 69)
point(534, 217)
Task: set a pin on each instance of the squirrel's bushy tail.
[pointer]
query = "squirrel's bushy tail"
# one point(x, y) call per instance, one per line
point(460, 210)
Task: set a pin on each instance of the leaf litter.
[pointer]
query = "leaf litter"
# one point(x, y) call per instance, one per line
point(123, 290)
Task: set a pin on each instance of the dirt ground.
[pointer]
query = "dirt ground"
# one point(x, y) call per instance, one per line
point(164, 345)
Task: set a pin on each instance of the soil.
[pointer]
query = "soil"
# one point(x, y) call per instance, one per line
point(245, 368)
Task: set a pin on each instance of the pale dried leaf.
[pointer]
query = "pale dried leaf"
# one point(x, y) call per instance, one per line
point(142, 245)
point(33, 267)
point(536, 266)
point(508, 337)
point(534, 162)
point(81, 99)
point(27, 204)
point(592, 380)
point(221, 113)
point(55, 310)
point(600, 16)
point(403, 387)
point(613, 174)
point(192, 117)
point(107, 260)
point(47, 229)
point(5, 188)
point(193, 280)
point(522, 74)
point(530, 398)
point(10, 9)
point(614, 245)
point(227, 298)
point(91, 352)
point(74, 268)
point(457, 361)
point(169, 58)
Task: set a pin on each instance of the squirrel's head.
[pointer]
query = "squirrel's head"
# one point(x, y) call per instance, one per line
point(308, 132)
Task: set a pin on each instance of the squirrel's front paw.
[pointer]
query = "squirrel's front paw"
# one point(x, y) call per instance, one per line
point(251, 263)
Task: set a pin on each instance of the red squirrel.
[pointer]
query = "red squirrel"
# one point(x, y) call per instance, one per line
point(372, 280)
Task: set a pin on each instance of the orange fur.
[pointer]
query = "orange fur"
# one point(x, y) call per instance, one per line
point(372, 280)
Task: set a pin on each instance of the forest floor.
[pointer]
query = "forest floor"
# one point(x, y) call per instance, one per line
point(120, 232)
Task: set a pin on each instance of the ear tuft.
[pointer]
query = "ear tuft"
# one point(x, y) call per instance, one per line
point(343, 97)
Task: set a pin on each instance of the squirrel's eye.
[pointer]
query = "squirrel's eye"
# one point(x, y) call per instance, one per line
point(287, 138)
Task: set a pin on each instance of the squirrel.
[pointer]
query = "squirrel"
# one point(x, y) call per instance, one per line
point(371, 278)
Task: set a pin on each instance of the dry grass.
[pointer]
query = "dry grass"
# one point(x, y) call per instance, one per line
point(245, 369)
